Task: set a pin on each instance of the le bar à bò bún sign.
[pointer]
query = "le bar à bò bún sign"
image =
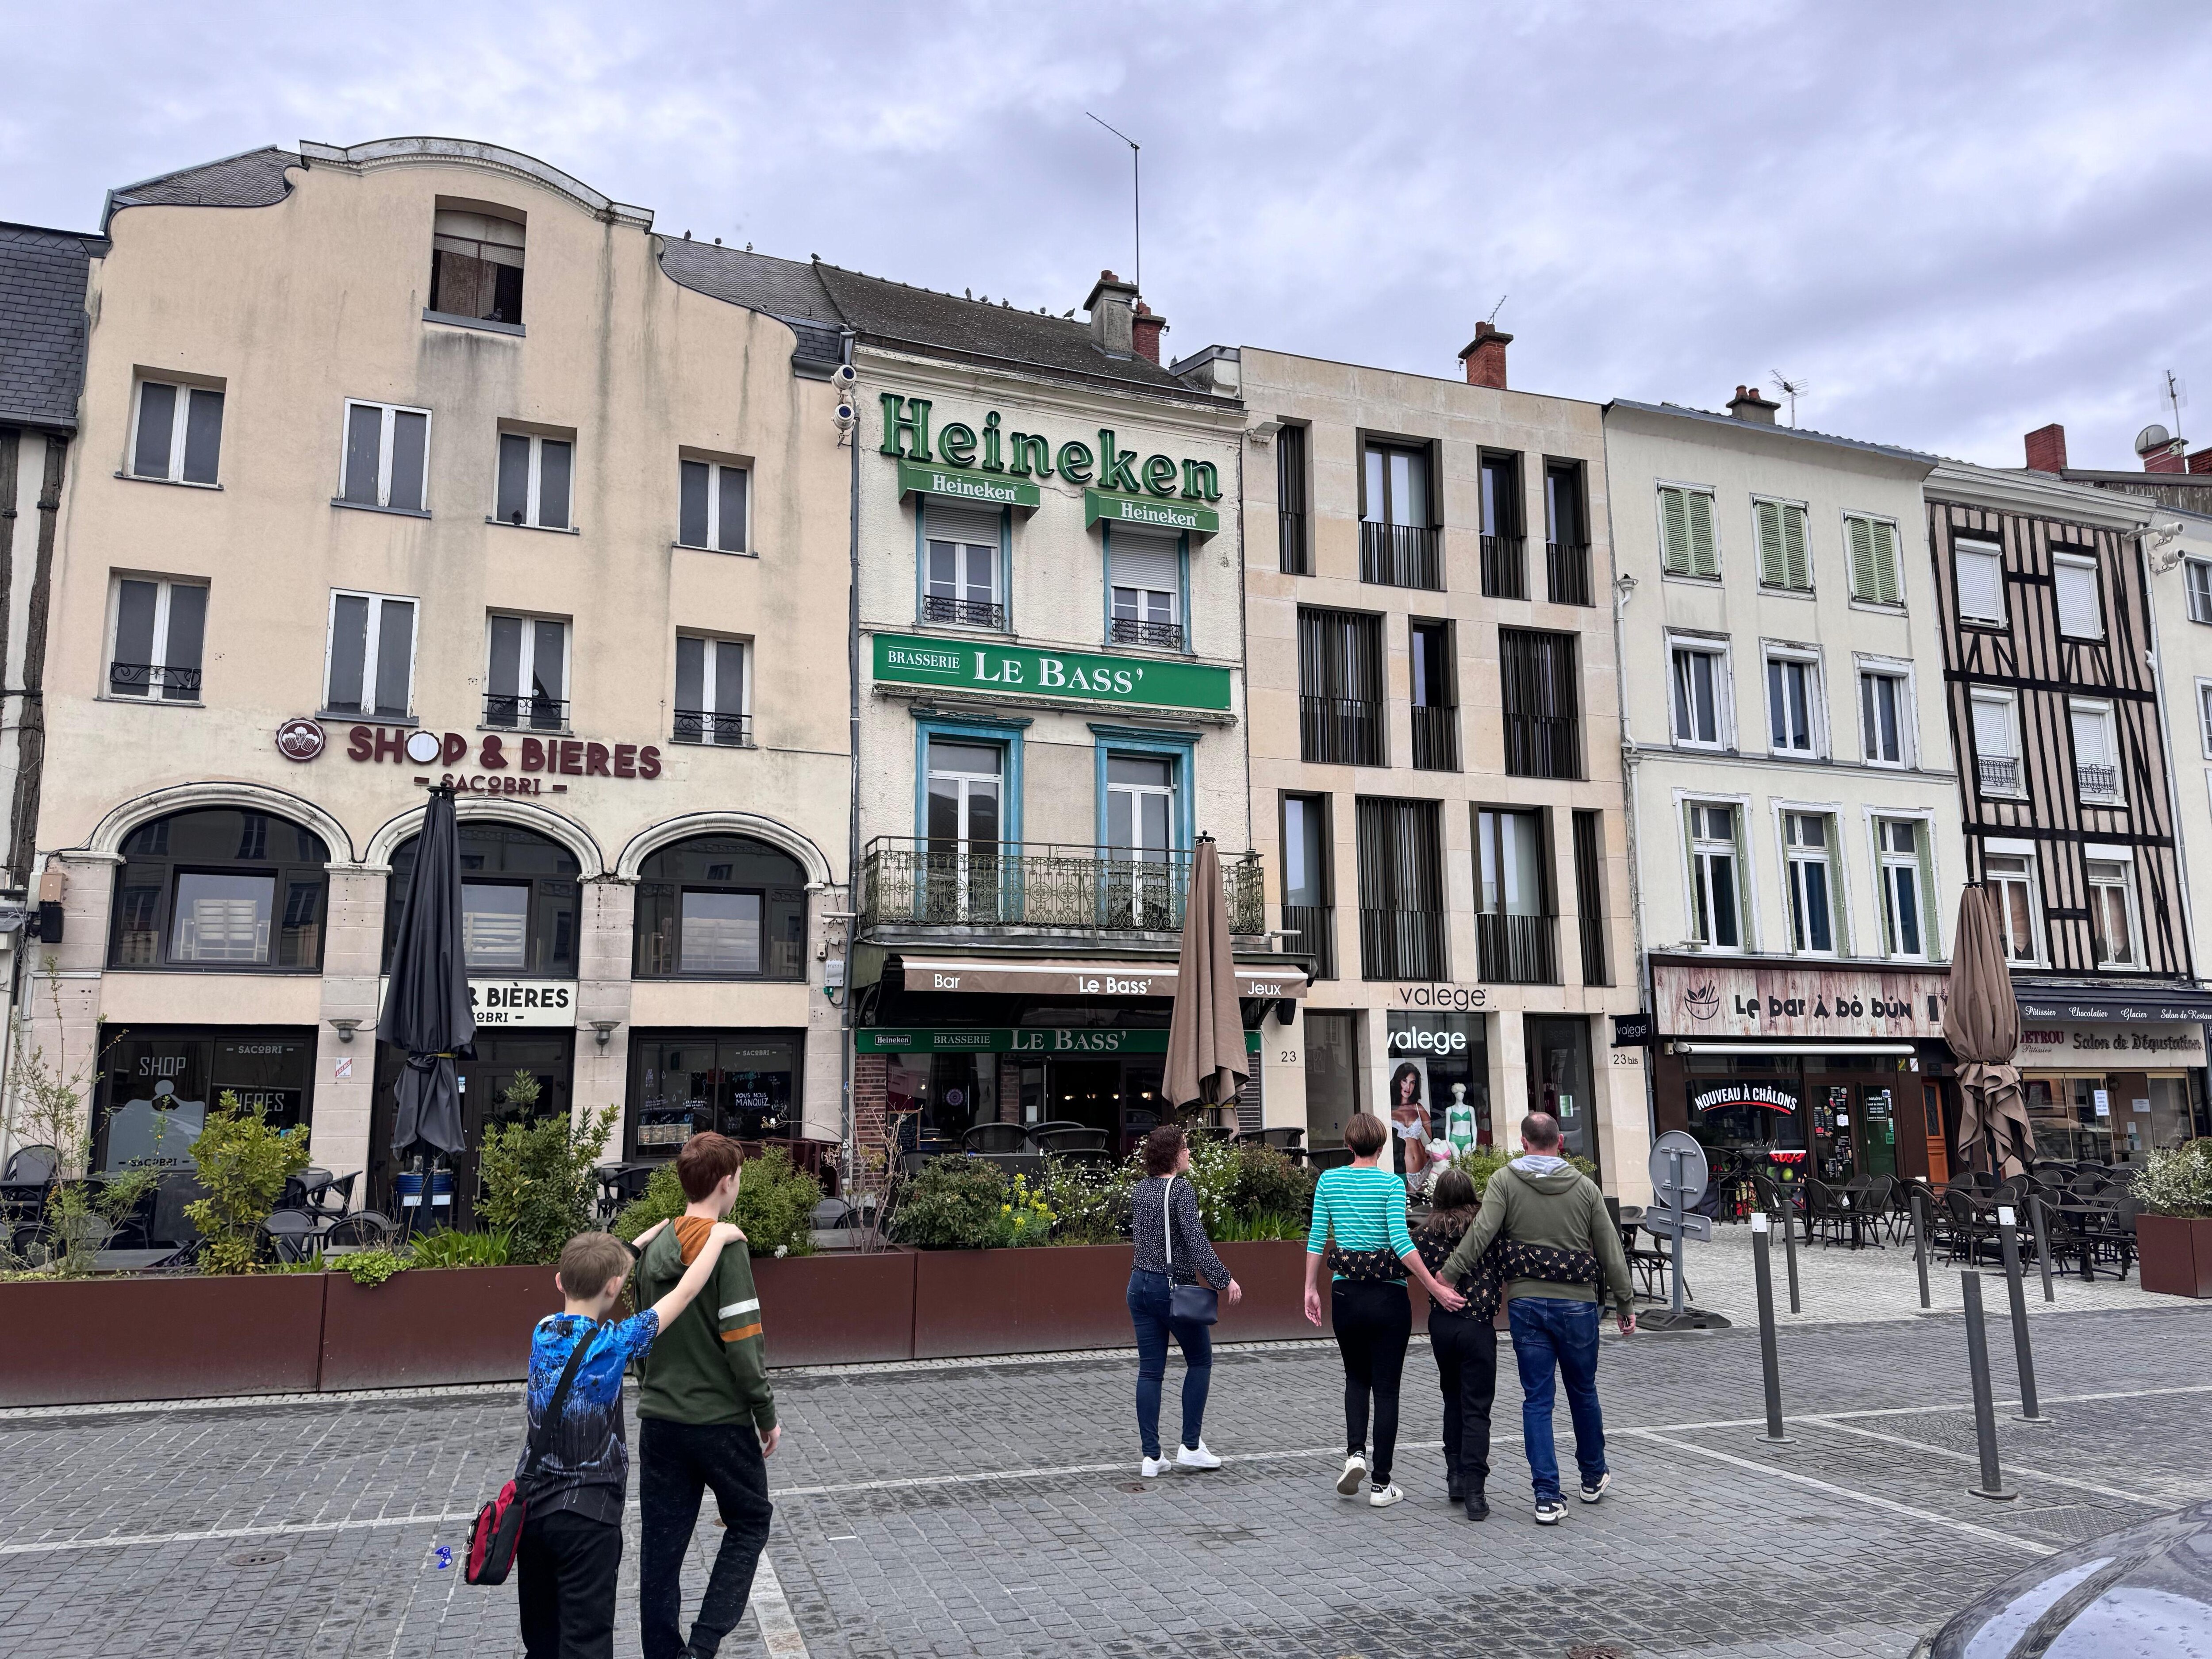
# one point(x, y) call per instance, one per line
point(963, 666)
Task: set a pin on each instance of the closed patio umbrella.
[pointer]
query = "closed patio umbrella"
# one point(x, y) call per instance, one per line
point(1206, 1062)
point(1981, 1025)
point(426, 1005)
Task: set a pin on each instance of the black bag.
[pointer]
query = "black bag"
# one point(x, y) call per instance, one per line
point(497, 1533)
point(1376, 1267)
point(1193, 1305)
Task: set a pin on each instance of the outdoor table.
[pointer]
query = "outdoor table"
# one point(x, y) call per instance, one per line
point(130, 1262)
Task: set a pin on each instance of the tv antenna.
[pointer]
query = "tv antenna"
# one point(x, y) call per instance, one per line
point(1136, 194)
point(1494, 310)
point(1792, 390)
point(2177, 395)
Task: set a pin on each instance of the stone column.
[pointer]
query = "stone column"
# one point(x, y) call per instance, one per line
point(60, 1004)
point(345, 1073)
point(603, 964)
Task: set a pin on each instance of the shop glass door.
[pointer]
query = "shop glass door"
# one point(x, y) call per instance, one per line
point(1877, 1131)
point(1559, 1079)
point(1331, 1077)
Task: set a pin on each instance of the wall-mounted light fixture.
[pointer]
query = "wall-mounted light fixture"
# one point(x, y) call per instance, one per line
point(604, 1029)
point(345, 1029)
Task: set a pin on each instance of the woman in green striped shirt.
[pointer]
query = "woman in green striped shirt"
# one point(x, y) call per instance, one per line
point(1363, 1209)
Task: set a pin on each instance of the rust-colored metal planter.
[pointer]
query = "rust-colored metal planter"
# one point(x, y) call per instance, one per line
point(839, 1309)
point(1272, 1276)
point(2175, 1253)
point(79, 1341)
point(433, 1326)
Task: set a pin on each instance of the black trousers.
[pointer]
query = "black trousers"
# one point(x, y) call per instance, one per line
point(676, 1464)
point(566, 1565)
point(1373, 1322)
point(1467, 1368)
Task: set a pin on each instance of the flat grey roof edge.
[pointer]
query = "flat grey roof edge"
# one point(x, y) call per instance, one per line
point(1680, 411)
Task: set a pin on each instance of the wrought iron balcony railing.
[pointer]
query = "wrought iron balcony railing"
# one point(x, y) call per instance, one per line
point(1436, 739)
point(139, 679)
point(1399, 556)
point(2000, 773)
point(1341, 730)
point(2097, 782)
point(905, 881)
point(1567, 566)
point(967, 613)
point(1310, 930)
point(706, 726)
point(535, 713)
point(1160, 635)
point(1504, 568)
point(1517, 949)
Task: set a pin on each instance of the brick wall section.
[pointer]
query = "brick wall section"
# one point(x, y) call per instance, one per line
point(2046, 448)
point(871, 1075)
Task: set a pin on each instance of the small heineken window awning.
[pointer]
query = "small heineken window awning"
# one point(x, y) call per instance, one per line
point(954, 483)
point(1092, 978)
point(1154, 513)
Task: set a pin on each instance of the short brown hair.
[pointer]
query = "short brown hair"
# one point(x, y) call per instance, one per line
point(588, 1262)
point(707, 1161)
point(1539, 1131)
point(1161, 1147)
point(1364, 1134)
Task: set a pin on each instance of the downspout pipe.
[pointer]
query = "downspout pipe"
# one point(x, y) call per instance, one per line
point(853, 789)
point(1624, 589)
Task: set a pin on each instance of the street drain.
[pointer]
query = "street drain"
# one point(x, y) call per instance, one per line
point(1136, 1485)
point(257, 1558)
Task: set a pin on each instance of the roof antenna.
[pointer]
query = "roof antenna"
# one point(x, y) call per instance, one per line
point(1494, 310)
point(1792, 389)
point(2177, 394)
point(1136, 195)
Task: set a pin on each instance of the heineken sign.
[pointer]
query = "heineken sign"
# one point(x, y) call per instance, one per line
point(1017, 1040)
point(965, 486)
point(958, 666)
point(955, 449)
point(1132, 509)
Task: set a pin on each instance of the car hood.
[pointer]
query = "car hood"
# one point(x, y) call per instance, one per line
point(2145, 1593)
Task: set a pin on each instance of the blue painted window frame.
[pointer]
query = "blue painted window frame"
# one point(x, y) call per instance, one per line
point(1146, 740)
point(1003, 734)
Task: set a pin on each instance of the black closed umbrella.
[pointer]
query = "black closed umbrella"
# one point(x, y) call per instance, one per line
point(426, 1006)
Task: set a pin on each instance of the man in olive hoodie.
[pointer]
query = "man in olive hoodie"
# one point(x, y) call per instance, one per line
point(1542, 1199)
point(706, 1418)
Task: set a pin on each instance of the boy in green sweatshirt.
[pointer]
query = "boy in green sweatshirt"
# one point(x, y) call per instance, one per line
point(706, 1418)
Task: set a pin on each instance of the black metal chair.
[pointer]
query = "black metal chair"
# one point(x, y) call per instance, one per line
point(365, 1228)
point(1328, 1158)
point(1053, 1126)
point(1825, 1217)
point(31, 1165)
point(1965, 1229)
point(1060, 1141)
point(999, 1139)
point(830, 1215)
point(291, 1235)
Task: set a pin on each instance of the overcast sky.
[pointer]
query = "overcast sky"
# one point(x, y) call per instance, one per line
point(1951, 223)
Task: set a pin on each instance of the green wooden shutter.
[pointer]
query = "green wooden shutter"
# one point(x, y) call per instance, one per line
point(1704, 552)
point(1796, 562)
point(1674, 519)
point(1885, 563)
point(1864, 583)
point(1772, 564)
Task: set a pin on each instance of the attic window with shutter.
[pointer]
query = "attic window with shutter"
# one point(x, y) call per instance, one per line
point(2074, 582)
point(475, 267)
point(1872, 545)
point(1687, 545)
point(1981, 581)
point(1784, 561)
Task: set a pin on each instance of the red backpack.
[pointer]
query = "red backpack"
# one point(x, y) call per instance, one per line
point(498, 1529)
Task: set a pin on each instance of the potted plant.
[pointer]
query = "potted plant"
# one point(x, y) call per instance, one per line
point(2174, 1221)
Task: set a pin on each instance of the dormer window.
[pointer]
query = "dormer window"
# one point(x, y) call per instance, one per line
point(475, 266)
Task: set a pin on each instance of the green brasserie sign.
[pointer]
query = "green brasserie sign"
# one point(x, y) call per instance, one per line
point(965, 486)
point(1135, 509)
point(1018, 1040)
point(961, 666)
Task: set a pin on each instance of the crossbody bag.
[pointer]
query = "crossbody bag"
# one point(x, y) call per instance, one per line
point(1197, 1303)
point(498, 1529)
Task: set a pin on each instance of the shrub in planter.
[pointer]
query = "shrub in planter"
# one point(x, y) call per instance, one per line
point(448, 1249)
point(1479, 1163)
point(243, 1164)
point(2176, 1182)
point(538, 1185)
point(1265, 1181)
point(954, 1204)
point(775, 1209)
point(1089, 1199)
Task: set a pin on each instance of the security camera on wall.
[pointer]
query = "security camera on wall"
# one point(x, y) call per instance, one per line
point(844, 377)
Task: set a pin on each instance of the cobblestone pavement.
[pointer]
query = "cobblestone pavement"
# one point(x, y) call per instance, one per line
point(993, 1508)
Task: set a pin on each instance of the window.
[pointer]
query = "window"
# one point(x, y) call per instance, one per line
point(2074, 582)
point(2013, 876)
point(2197, 578)
point(1141, 885)
point(960, 565)
point(962, 819)
point(1874, 560)
point(1906, 930)
point(1793, 704)
point(742, 1083)
point(1292, 547)
point(178, 434)
point(1806, 839)
point(721, 907)
point(369, 666)
point(527, 673)
point(1540, 683)
point(534, 476)
point(1980, 568)
point(1883, 718)
point(1688, 546)
point(1566, 533)
point(712, 691)
point(1397, 534)
point(475, 266)
point(1436, 713)
point(1514, 931)
point(2204, 716)
point(1309, 915)
point(222, 889)
point(154, 639)
point(1714, 886)
point(387, 456)
point(1145, 575)
point(519, 896)
point(1700, 680)
point(1784, 561)
point(2112, 921)
point(1997, 743)
point(2096, 753)
point(1401, 889)
point(1589, 894)
point(1504, 568)
point(1340, 710)
point(159, 1089)
point(711, 505)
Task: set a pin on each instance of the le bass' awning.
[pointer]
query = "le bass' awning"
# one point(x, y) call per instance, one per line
point(1081, 979)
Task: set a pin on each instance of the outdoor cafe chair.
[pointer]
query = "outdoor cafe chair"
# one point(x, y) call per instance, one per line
point(362, 1229)
point(31, 1165)
point(1966, 1229)
point(291, 1235)
point(1053, 1126)
point(996, 1138)
point(334, 1197)
point(1063, 1139)
point(1825, 1212)
point(829, 1215)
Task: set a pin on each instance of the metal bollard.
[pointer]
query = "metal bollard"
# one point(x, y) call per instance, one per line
point(1920, 1240)
point(1769, 1363)
point(2036, 1218)
point(2009, 1241)
point(1790, 1247)
point(1977, 1368)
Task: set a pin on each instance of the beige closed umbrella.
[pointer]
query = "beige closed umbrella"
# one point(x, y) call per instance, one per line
point(1981, 1025)
point(1206, 1062)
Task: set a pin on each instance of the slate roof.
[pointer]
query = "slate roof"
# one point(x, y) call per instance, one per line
point(254, 178)
point(42, 325)
point(1892, 451)
point(784, 288)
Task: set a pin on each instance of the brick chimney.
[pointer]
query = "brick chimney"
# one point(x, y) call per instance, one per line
point(1144, 331)
point(2201, 461)
point(1485, 357)
point(1748, 405)
point(2047, 449)
point(1111, 315)
point(2161, 453)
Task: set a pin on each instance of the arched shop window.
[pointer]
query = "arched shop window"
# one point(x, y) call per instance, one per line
point(227, 890)
point(721, 907)
point(519, 894)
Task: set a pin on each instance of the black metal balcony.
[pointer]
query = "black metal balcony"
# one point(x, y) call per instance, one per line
point(1543, 746)
point(1504, 568)
point(1401, 944)
point(967, 613)
point(1160, 635)
point(910, 882)
point(1566, 565)
point(139, 679)
point(2000, 773)
point(706, 726)
point(1517, 949)
point(1310, 930)
point(2097, 782)
point(1399, 556)
point(1436, 739)
point(1341, 730)
point(1593, 940)
point(532, 712)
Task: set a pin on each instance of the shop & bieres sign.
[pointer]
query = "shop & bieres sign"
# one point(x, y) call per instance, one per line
point(508, 763)
point(1695, 1001)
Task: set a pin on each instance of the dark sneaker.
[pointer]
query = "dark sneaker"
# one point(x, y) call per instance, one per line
point(1478, 1507)
point(1591, 1494)
point(1550, 1511)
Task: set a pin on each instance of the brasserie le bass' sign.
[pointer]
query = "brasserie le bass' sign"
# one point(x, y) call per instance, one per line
point(507, 763)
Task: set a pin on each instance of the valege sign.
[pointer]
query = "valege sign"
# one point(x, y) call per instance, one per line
point(1722, 1000)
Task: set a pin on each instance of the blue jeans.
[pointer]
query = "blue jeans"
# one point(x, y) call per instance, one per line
point(1549, 1331)
point(1148, 1312)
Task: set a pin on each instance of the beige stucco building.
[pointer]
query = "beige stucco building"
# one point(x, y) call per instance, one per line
point(422, 460)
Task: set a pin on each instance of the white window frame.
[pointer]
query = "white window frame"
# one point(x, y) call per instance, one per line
point(715, 466)
point(2197, 588)
point(2038, 928)
point(2125, 857)
point(1747, 889)
point(1901, 670)
point(178, 419)
point(527, 660)
point(163, 586)
point(533, 513)
point(1723, 736)
point(371, 640)
point(1980, 545)
point(1829, 857)
point(1803, 510)
point(1929, 915)
point(1816, 700)
point(1690, 571)
point(2204, 715)
point(2077, 561)
point(389, 412)
point(2104, 711)
point(2009, 701)
point(707, 687)
point(1896, 548)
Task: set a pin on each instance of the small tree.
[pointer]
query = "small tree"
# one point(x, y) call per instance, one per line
point(538, 1184)
point(774, 1207)
point(243, 1164)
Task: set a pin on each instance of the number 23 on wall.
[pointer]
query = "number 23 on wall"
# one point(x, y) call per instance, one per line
point(1289, 1057)
point(1626, 1057)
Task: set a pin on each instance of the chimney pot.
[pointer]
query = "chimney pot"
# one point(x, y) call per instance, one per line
point(1144, 331)
point(1748, 405)
point(1484, 357)
point(2046, 448)
point(1112, 304)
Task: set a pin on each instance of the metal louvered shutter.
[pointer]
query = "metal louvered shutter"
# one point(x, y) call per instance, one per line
point(1146, 558)
point(947, 521)
point(1249, 1114)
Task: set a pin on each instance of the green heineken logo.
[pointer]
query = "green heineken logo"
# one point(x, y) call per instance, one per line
point(967, 452)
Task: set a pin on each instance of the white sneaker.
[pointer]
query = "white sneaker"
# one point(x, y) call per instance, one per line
point(1152, 1466)
point(1354, 1476)
point(1197, 1458)
point(1382, 1497)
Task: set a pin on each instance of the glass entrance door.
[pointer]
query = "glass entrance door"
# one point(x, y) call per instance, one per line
point(1877, 1130)
point(548, 1056)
